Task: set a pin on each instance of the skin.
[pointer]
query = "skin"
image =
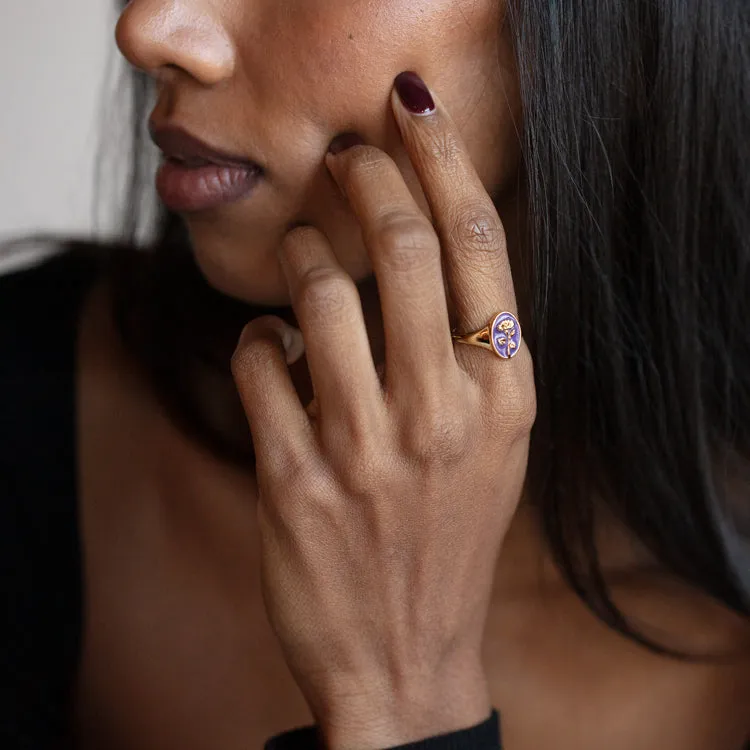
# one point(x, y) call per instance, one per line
point(408, 454)
point(190, 638)
point(322, 83)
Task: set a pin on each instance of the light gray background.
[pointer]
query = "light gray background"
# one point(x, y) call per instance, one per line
point(58, 63)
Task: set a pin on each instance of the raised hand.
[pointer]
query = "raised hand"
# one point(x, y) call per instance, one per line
point(382, 517)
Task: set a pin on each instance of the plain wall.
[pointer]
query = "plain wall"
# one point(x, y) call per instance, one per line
point(57, 62)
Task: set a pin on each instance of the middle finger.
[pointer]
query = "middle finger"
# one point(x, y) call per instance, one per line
point(405, 254)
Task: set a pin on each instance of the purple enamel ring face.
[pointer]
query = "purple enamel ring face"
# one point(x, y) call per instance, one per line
point(505, 335)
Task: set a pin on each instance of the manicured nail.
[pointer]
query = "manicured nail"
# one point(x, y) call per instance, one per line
point(344, 141)
point(414, 93)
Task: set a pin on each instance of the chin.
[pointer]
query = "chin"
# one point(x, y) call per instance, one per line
point(241, 261)
point(245, 272)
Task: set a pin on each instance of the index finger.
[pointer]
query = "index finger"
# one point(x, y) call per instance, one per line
point(471, 233)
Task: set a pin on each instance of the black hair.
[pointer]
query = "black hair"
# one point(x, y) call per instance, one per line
point(636, 158)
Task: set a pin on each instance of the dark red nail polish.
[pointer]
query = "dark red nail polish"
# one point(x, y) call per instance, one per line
point(413, 93)
point(344, 141)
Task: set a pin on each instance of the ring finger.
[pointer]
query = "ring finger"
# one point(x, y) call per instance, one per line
point(405, 255)
point(471, 232)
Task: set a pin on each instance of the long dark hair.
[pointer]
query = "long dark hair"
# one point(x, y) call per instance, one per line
point(636, 147)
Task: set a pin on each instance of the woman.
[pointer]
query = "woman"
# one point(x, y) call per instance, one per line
point(396, 556)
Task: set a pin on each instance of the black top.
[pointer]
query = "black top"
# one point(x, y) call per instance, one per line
point(40, 556)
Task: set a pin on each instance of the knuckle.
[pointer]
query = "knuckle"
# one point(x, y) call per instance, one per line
point(442, 146)
point(363, 163)
point(325, 292)
point(476, 229)
point(303, 235)
point(517, 405)
point(353, 444)
point(403, 239)
point(296, 480)
point(438, 435)
point(521, 416)
point(289, 477)
point(360, 472)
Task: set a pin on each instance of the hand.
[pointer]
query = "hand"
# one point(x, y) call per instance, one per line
point(382, 516)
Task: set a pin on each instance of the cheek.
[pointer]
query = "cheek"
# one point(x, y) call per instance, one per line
point(330, 69)
point(347, 55)
point(337, 58)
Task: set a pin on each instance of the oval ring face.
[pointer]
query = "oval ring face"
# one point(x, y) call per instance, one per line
point(505, 335)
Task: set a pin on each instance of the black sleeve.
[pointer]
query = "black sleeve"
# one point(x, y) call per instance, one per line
point(40, 621)
point(484, 736)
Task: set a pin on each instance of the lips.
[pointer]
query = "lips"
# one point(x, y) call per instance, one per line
point(197, 177)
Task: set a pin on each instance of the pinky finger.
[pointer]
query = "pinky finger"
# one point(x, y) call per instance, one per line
point(281, 429)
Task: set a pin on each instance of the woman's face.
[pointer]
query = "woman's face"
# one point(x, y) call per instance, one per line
point(277, 80)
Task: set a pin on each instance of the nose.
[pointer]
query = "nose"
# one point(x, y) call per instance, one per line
point(164, 37)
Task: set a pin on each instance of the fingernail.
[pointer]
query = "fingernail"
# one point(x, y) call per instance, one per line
point(344, 141)
point(291, 339)
point(414, 93)
point(294, 344)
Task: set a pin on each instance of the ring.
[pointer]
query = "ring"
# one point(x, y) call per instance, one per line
point(501, 335)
